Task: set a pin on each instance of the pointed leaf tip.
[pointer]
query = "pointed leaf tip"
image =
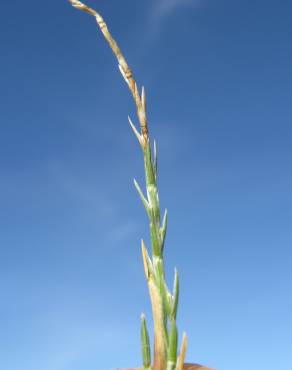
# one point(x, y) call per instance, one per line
point(143, 198)
point(138, 136)
point(182, 354)
point(145, 343)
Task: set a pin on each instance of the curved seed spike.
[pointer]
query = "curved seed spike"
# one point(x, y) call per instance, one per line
point(175, 294)
point(122, 62)
point(182, 354)
point(138, 136)
point(144, 200)
point(172, 347)
point(145, 343)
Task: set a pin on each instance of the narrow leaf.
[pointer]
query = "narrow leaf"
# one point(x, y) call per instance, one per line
point(175, 294)
point(146, 354)
point(144, 200)
point(182, 354)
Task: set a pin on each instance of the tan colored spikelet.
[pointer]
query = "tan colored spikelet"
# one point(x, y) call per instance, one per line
point(79, 5)
point(182, 355)
point(145, 263)
point(138, 136)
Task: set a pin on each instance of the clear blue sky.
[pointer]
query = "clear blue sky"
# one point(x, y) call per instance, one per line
point(219, 82)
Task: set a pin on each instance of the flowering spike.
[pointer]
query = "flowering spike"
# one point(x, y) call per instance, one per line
point(164, 305)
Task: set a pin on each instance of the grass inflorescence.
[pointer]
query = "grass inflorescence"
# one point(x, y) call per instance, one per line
point(164, 302)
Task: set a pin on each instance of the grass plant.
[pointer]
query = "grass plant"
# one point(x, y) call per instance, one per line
point(164, 301)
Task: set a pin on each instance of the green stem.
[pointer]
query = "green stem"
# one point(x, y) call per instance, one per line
point(168, 307)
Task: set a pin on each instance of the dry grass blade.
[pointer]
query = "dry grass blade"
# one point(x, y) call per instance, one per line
point(182, 355)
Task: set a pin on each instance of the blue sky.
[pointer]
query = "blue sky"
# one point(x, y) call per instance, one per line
point(218, 80)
